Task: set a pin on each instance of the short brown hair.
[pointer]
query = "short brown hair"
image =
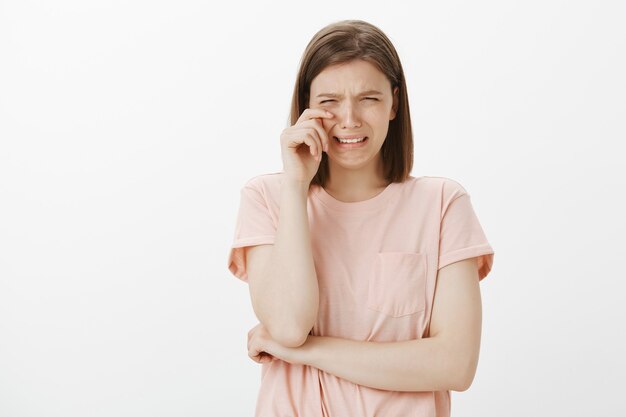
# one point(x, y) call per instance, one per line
point(345, 41)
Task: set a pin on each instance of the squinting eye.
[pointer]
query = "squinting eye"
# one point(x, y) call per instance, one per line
point(367, 98)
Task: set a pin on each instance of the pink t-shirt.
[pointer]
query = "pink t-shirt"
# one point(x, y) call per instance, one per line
point(376, 263)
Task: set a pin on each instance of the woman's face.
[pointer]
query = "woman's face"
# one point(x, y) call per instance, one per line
point(360, 97)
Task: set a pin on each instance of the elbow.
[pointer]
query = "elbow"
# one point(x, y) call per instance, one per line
point(464, 376)
point(462, 384)
point(286, 334)
point(291, 338)
point(292, 334)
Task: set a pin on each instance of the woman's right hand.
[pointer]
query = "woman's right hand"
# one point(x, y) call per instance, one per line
point(302, 145)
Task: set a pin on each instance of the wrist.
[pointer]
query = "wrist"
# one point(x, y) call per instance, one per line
point(294, 183)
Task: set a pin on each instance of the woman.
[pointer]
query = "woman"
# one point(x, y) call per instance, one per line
point(364, 278)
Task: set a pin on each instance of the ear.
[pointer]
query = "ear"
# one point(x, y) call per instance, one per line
point(394, 106)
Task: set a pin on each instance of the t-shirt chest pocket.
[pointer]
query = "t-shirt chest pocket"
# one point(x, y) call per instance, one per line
point(397, 283)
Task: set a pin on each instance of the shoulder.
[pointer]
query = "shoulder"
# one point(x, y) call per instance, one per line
point(264, 182)
point(264, 186)
point(445, 188)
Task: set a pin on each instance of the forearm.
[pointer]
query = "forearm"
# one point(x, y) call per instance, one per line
point(286, 297)
point(412, 365)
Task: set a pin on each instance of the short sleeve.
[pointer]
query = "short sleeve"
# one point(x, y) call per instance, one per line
point(254, 226)
point(462, 236)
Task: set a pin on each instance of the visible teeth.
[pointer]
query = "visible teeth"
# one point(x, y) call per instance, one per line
point(351, 140)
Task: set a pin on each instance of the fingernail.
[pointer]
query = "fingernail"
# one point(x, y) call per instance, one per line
point(329, 113)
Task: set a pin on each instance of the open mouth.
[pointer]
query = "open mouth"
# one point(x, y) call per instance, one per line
point(350, 141)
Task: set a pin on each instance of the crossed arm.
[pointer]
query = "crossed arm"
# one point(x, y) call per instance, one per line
point(446, 360)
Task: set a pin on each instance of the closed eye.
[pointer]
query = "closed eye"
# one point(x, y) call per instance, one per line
point(367, 98)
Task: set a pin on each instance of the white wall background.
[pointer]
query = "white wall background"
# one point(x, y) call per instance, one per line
point(128, 127)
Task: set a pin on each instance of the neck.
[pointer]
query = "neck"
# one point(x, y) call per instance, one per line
point(351, 185)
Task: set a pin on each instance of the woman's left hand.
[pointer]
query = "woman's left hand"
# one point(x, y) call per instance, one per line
point(262, 348)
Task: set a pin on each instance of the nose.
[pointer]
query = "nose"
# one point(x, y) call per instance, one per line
point(350, 117)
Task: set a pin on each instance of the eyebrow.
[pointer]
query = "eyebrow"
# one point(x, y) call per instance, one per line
point(368, 92)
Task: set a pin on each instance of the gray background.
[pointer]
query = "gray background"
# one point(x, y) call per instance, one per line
point(127, 129)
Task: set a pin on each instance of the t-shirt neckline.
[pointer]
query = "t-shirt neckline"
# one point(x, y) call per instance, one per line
point(370, 204)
